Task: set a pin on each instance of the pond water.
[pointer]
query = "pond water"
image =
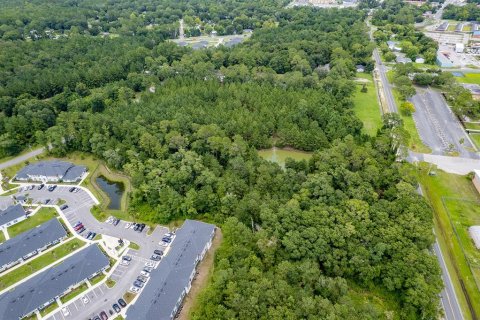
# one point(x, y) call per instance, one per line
point(280, 155)
point(114, 190)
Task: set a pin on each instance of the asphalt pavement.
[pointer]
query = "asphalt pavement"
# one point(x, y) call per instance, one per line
point(21, 158)
point(387, 90)
point(438, 127)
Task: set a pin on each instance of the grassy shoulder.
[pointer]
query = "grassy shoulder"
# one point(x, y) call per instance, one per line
point(43, 215)
point(469, 78)
point(476, 139)
point(455, 202)
point(2, 237)
point(366, 105)
point(134, 246)
point(40, 262)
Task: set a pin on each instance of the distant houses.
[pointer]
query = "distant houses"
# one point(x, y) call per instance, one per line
point(443, 60)
point(51, 171)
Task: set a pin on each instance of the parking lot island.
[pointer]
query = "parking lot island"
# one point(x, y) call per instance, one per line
point(171, 281)
point(43, 289)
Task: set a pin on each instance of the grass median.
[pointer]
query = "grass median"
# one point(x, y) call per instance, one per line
point(366, 105)
point(75, 292)
point(43, 215)
point(40, 262)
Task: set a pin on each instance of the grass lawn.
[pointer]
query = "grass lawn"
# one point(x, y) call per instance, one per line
point(75, 292)
point(128, 297)
point(456, 204)
point(134, 246)
point(39, 263)
point(97, 278)
point(467, 27)
point(2, 237)
point(366, 105)
point(110, 283)
point(474, 126)
point(49, 309)
point(469, 78)
point(475, 138)
point(43, 215)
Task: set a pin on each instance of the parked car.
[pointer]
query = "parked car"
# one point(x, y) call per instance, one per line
point(65, 311)
point(116, 308)
point(51, 188)
point(116, 222)
point(78, 226)
point(142, 279)
point(127, 258)
point(97, 318)
point(103, 315)
point(154, 257)
point(91, 236)
point(32, 187)
point(142, 226)
point(144, 273)
point(88, 234)
point(138, 284)
point(167, 240)
point(71, 189)
point(158, 252)
point(81, 230)
point(111, 312)
point(134, 289)
point(122, 303)
point(137, 226)
point(40, 187)
point(148, 269)
point(46, 201)
point(64, 207)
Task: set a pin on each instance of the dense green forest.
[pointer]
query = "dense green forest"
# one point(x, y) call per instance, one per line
point(468, 12)
point(344, 235)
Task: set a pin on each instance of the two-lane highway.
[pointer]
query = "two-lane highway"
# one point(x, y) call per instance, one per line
point(387, 90)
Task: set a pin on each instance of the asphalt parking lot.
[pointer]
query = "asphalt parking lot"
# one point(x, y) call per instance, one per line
point(101, 298)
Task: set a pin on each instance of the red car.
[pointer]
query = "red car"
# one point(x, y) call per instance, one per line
point(103, 315)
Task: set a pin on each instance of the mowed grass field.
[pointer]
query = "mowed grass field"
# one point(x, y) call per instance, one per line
point(469, 78)
point(457, 207)
point(366, 104)
point(43, 215)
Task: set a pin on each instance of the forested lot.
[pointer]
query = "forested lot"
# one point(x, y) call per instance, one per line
point(468, 12)
point(344, 235)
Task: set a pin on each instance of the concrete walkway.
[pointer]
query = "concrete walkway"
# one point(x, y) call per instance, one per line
point(456, 165)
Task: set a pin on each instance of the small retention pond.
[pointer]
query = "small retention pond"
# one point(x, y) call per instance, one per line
point(280, 155)
point(113, 189)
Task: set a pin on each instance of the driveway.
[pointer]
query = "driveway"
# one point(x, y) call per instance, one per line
point(21, 158)
point(438, 127)
point(101, 298)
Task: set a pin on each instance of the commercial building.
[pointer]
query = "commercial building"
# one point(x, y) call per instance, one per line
point(43, 289)
point(459, 47)
point(443, 61)
point(51, 171)
point(12, 215)
point(171, 281)
point(30, 243)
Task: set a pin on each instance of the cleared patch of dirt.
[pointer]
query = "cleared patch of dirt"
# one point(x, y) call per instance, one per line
point(205, 270)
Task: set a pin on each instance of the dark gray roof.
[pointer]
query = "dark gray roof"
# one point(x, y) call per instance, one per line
point(74, 173)
point(29, 241)
point(49, 284)
point(11, 213)
point(167, 283)
point(51, 168)
point(234, 41)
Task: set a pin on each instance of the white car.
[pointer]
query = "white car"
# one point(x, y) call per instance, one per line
point(134, 289)
point(127, 225)
point(109, 220)
point(149, 264)
point(65, 311)
point(85, 300)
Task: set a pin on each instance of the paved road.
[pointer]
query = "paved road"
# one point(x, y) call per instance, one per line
point(454, 165)
point(382, 71)
point(79, 205)
point(449, 298)
point(438, 127)
point(21, 158)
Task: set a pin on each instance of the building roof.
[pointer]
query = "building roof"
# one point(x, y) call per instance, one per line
point(29, 241)
point(51, 283)
point(52, 168)
point(11, 213)
point(476, 33)
point(167, 283)
point(475, 234)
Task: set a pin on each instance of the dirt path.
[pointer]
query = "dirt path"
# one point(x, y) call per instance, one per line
point(205, 270)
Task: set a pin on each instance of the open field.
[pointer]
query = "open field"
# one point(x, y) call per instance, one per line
point(40, 262)
point(43, 215)
point(209, 41)
point(475, 138)
point(366, 105)
point(469, 78)
point(2, 237)
point(456, 204)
